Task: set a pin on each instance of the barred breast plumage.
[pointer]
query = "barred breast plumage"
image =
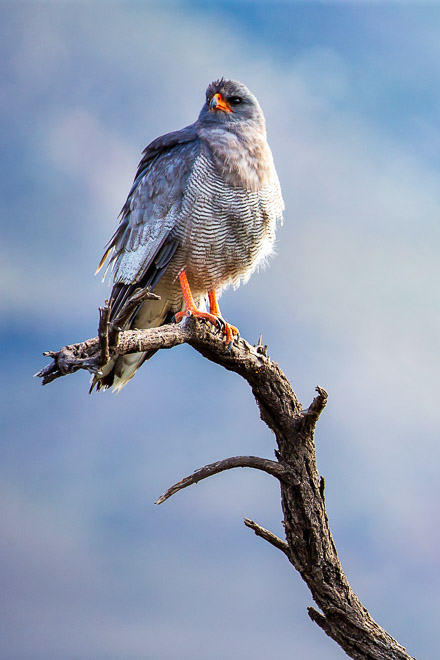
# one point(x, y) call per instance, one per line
point(203, 207)
point(224, 231)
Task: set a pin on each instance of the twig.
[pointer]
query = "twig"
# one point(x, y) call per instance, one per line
point(103, 331)
point(318, 404)
point(271, 467)
point(260, 347)
point(267, 536)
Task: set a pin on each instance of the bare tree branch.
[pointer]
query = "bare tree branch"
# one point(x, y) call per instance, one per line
point(271, 467)
point(87, 354)
point(309, 544)
point(267, 536)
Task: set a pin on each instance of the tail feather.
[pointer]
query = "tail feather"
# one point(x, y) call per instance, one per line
point(151, 314)
point(118, 371)
point(125, 368)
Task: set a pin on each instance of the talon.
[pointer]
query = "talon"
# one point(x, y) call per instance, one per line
point(229, 332)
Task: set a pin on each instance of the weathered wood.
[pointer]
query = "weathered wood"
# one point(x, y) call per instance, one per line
point(271, 467)
point(309, 544)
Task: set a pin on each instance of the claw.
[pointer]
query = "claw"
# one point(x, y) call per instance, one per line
point(230, 331)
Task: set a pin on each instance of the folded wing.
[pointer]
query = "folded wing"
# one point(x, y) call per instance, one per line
point(143, 245)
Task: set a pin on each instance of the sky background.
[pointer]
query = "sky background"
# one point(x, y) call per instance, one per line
point(91, 568)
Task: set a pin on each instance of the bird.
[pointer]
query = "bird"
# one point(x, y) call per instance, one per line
point(201, 215)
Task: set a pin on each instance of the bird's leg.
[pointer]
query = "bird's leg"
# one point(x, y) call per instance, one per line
point(190, 306)
point(228, 329)
point(214, 315)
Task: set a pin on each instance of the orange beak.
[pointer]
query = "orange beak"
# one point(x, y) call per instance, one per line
point(218, 103)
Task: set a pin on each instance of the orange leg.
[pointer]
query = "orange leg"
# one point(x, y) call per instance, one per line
point(229, 330)
point(190, 306)
point(213, 317)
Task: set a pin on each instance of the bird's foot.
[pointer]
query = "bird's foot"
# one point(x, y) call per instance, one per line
point(198, 315)
point(230, 331)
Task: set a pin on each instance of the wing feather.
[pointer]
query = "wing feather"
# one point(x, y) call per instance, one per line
point(143, 244)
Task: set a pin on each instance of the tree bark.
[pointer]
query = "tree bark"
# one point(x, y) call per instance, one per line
point(309, 544)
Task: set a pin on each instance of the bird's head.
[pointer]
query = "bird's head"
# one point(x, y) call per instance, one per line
point(229, 102)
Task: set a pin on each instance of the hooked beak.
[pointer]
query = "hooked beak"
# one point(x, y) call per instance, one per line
point(218, 103)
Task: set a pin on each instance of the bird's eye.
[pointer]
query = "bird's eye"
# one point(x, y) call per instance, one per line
point(235, 100)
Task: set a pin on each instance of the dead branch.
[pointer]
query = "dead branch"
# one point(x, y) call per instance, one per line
point(87, 355)
point(271, 467)
point(267, 536)
point(309, 544)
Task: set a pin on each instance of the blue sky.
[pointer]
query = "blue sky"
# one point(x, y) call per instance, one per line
point(92, 568)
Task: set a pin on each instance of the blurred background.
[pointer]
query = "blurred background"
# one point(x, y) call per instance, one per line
point(91, 568)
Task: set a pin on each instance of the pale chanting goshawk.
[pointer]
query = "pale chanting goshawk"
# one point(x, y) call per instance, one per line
point(201, 215)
